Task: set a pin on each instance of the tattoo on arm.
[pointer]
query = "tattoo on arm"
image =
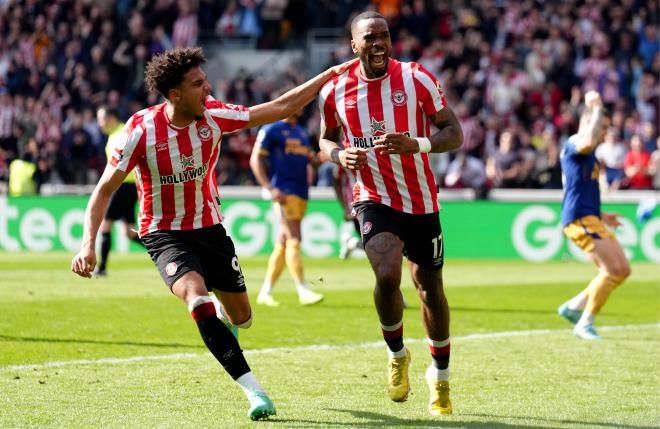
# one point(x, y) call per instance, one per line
point(450, 134)
point(334, 155)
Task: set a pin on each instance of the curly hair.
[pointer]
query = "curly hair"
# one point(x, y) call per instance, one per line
point(166, 70)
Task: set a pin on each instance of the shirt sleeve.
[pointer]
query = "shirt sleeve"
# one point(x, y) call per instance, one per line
point(570, 147)
point(264, 140)
point(327, 106)
point(229, 117)
point(130, 147)
point(430, 94)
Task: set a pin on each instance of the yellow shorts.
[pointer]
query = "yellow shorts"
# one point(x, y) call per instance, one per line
point(293, 207)
point(585, 230)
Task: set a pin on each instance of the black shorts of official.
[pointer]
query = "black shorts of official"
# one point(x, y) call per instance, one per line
point(122, 203)
point(421, 233)
point(207, 251)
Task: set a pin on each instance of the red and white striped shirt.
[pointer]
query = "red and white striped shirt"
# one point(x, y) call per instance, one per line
point(175, 166)
point(399, 102)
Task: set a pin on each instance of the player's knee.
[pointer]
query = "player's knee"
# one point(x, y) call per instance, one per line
point(292, 243)
point(246, 324)
point(239, 315)
point(621, 271)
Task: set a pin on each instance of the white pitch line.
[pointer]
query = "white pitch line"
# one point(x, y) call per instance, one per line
point(315, 347)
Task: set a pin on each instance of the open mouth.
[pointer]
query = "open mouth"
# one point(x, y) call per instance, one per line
point(378, 60)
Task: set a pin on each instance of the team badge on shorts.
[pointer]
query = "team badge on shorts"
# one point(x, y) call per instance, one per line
point(204, 132)
point(366, 228)
point(170, 269)
point(399, 98)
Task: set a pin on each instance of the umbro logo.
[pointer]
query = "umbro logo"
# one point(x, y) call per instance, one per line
point(350, 104)
point(161, 146)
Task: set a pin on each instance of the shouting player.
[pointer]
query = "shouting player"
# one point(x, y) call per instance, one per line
point(385, 109)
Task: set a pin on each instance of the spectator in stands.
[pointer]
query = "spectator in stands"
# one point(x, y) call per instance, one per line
point(637, 165)
point(515, 64)
point(249, 25)
point(612, 153)
point(468, 172)
point(503, 167)
point(271, 14)
point(186, 28)
point(80, 150)
point(229, 21)
point(654, 167)
point(547, 168)
point(648, 134)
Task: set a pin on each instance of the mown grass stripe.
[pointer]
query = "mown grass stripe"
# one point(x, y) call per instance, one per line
point(314, 347)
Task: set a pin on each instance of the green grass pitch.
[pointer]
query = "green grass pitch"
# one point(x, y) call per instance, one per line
point(123, 352)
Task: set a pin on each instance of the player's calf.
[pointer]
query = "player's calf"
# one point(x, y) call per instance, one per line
point(224, 346)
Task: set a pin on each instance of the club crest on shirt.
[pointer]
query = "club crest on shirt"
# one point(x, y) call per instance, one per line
point(377, 126)
point(399, 98)
point(187, 162)
point(204, 132)
point(170, 269)
point(366, 228)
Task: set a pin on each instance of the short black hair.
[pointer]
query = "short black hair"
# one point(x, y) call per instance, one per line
point(111, 111)
point(370, 14)
point(165, 71)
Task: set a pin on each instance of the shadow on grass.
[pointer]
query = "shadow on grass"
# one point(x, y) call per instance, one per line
point(99, 342)
point(376, 420)
point(564, 422)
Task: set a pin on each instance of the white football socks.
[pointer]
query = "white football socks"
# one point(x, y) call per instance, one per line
point(302, 288)
point(433, 373)
point(401, 353)
point(266, 289)
point(586, 319)
point(578, 302)
point(249, 384)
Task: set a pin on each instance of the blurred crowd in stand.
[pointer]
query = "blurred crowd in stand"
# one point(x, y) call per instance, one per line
point(514, 72)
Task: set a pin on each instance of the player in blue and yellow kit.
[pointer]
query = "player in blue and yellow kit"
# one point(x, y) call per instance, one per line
point(585, 224)
point(280, 162)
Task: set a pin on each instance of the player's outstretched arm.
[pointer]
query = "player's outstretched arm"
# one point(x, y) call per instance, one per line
point(85, 261)
point(294, 100)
